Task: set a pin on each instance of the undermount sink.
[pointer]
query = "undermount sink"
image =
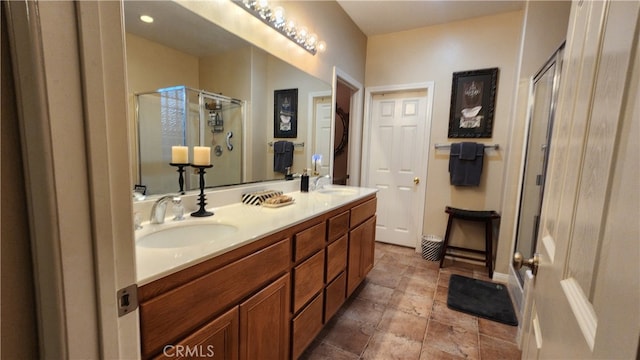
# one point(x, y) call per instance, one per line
point(185, 235)
point(337, 191)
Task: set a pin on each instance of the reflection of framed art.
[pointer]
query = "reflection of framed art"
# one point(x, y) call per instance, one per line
point(285, 113)
point(473, 98)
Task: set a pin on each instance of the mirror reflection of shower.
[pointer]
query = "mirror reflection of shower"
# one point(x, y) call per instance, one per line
point(183, 116)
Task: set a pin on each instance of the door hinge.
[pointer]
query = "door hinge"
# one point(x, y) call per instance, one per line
point(127, 299)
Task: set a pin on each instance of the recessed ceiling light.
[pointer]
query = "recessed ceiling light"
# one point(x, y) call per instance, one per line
point(146, 18)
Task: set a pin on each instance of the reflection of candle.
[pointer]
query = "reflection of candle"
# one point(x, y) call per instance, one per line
point(179, 154)
point(201, 155)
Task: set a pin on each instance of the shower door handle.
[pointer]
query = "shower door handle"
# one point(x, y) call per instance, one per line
point(228, 140)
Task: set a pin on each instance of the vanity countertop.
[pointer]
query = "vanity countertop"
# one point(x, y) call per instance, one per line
point(252, 223)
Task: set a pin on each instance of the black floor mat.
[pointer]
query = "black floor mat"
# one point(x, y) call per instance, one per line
point(481, 298)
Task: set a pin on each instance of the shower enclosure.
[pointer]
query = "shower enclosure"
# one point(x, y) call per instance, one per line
point(183, 116)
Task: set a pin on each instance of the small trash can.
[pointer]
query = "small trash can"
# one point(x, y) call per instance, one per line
point(431, 247)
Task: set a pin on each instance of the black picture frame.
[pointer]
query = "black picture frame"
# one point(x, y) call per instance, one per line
point(473, 98)
point(285, 113)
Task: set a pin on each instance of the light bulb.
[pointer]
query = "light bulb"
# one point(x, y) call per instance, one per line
point(290, 28)
point(322, 46)
point(146, 18)
point(301, 36)
point(312, 39)
point(277, 16)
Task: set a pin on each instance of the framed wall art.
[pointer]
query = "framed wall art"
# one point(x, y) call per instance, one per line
point(285, 117)
point(473, 97)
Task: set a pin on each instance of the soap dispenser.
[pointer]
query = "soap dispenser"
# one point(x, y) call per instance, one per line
point(304, 181)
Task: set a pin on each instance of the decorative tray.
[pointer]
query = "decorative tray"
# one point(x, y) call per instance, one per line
point(278, 205)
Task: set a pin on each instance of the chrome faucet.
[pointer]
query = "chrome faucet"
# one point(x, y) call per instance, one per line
point(159, 209)
point(317, 180)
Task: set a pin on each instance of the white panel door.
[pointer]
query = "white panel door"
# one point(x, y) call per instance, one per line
point(323, 133)
point(397, 164)
point(586, 294)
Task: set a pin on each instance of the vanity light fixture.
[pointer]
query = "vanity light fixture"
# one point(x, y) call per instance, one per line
point(146, 18)
point(277, 20)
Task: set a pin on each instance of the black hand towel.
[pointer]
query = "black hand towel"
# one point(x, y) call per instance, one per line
point(468, 151)
point(282, 156)
point(464, 172)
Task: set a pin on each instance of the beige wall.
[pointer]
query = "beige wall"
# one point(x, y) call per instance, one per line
point(434, 54)
point(541, 17)
point(19, 327)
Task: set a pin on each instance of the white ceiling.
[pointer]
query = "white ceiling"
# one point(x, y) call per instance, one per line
point(375, 17)
point(178, 28)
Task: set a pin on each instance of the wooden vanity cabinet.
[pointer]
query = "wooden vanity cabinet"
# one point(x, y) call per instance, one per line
point(266, 300)
point(182, 307)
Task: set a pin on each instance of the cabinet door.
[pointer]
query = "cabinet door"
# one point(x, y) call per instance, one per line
point(264, 322)
point(361, 253)
point(216, 340)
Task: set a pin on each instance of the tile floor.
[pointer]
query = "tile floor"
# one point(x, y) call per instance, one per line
point(400, 312)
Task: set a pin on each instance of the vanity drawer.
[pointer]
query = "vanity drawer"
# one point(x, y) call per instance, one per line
point(336, 257)
point(172, 315)
point(306, 326)
point(338, 226)
point(308, 241)
point(308, 280)
point(362, 212)
point(334, 296)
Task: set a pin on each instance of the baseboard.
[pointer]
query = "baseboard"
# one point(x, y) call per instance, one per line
point(500, 277)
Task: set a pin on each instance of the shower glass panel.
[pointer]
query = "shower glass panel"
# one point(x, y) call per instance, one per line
point(542, 108)
point(183, 116)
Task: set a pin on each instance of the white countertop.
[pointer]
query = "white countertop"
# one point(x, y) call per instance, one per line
point(253, 223)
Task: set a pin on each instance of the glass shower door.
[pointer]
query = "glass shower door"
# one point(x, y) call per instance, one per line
point(544, 95)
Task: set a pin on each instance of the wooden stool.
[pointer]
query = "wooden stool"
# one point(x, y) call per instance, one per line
point(487, 218)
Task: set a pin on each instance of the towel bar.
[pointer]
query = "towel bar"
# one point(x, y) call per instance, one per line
point(300, 144)
point(448, 146)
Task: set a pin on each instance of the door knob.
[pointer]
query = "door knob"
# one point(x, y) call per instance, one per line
point(416, 180)
point(519, 261)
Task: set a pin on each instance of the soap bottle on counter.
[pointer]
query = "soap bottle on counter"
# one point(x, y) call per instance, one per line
point(304, 181)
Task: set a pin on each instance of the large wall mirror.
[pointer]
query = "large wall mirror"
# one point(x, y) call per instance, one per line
point(180, 56)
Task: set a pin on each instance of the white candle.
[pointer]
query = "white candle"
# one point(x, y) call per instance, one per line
point(179, 154)
point(201, 155)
